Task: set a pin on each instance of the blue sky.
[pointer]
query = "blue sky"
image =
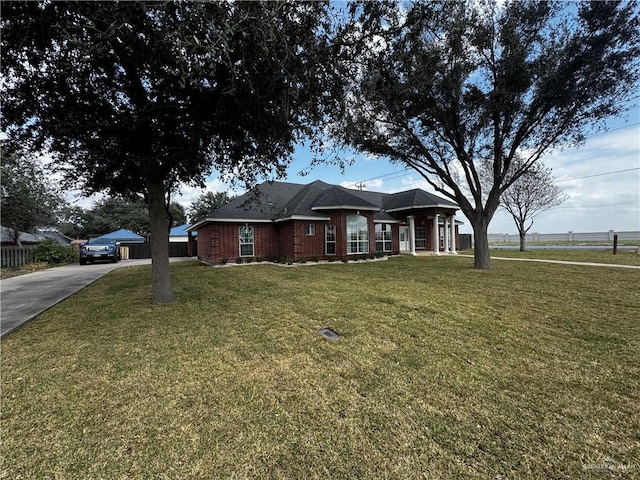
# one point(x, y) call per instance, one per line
point(601, 179)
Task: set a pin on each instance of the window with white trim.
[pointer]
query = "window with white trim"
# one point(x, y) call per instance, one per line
point(310, 229)
point(246, 241)
point(383, 237)
point(421, 237)
point(357, 234)
point(330, 239)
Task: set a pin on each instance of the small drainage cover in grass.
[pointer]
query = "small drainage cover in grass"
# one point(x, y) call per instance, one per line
point(328, 333)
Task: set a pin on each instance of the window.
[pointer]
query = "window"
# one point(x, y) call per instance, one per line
point(383, 237)
point(357, 234)
point(310, 229)
point(246, 241)
point(421, 237)
point(330, 239)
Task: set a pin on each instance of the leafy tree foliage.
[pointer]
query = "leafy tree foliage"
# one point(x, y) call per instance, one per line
point(207, 202)
point(29, 198)
point(113, 213)
point(177, 214)
point(136, 97)
point(444, 87)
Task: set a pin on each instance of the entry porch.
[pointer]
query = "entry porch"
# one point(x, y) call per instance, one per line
point(433, 233)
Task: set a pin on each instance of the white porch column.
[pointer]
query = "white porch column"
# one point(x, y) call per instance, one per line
point(446, 234)
point(453, 235)
point(436, 235)
point(412, 234)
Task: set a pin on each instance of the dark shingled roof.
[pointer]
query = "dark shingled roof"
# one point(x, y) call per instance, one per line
point(341, 197)
point(282, 200)
point(414, 199)
point(266, 201)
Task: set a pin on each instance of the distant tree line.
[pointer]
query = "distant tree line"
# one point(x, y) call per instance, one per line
point(113, 213)
point(31, 199)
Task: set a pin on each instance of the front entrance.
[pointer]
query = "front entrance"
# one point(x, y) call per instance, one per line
point(405, 242)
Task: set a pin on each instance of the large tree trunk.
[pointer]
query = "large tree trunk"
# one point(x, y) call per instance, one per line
point(522, 240)
point(481, 256)
point(162, 288)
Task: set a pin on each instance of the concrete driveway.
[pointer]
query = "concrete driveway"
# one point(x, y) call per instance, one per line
point(24, 297)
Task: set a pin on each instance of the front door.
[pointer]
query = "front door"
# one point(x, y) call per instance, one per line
point(405, 242)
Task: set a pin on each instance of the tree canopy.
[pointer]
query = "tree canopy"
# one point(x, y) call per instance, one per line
point(445, 87)
point(111, 213)
point(29, 199)
point(137, 97)
point(207, 202)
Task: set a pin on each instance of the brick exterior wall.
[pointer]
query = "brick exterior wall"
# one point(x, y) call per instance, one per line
point(204, 249)
point(305, 246)
point(339, 219)
point(219, 242)
point(285, 240)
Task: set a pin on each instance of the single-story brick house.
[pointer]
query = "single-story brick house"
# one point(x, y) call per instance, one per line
point(319, 220)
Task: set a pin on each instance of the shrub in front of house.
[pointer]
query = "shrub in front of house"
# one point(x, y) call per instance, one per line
point(53, 253)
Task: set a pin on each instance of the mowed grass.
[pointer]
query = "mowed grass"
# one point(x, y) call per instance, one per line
point(622, 257)
point(441, 371)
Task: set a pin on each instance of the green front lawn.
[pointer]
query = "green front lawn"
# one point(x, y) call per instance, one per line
point(525, 371)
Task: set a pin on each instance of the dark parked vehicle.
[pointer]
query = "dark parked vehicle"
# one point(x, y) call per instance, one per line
point(100, 249)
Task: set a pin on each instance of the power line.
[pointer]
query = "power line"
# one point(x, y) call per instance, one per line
point(612, 130)
point(587, 137)
point(400, 173)
point(598, 175)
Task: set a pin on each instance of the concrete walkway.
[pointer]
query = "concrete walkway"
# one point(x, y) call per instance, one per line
point(563, 262)
point(24, 297)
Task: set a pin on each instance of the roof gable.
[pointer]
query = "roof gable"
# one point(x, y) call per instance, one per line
point(415, 198)
point(301, 204)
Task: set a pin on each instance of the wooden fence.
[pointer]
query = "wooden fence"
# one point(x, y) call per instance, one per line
point(20, 256)
point(16, 256)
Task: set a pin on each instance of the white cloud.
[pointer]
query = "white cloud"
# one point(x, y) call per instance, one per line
point(602, 180)
point(375, 184)
point(188, 194)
